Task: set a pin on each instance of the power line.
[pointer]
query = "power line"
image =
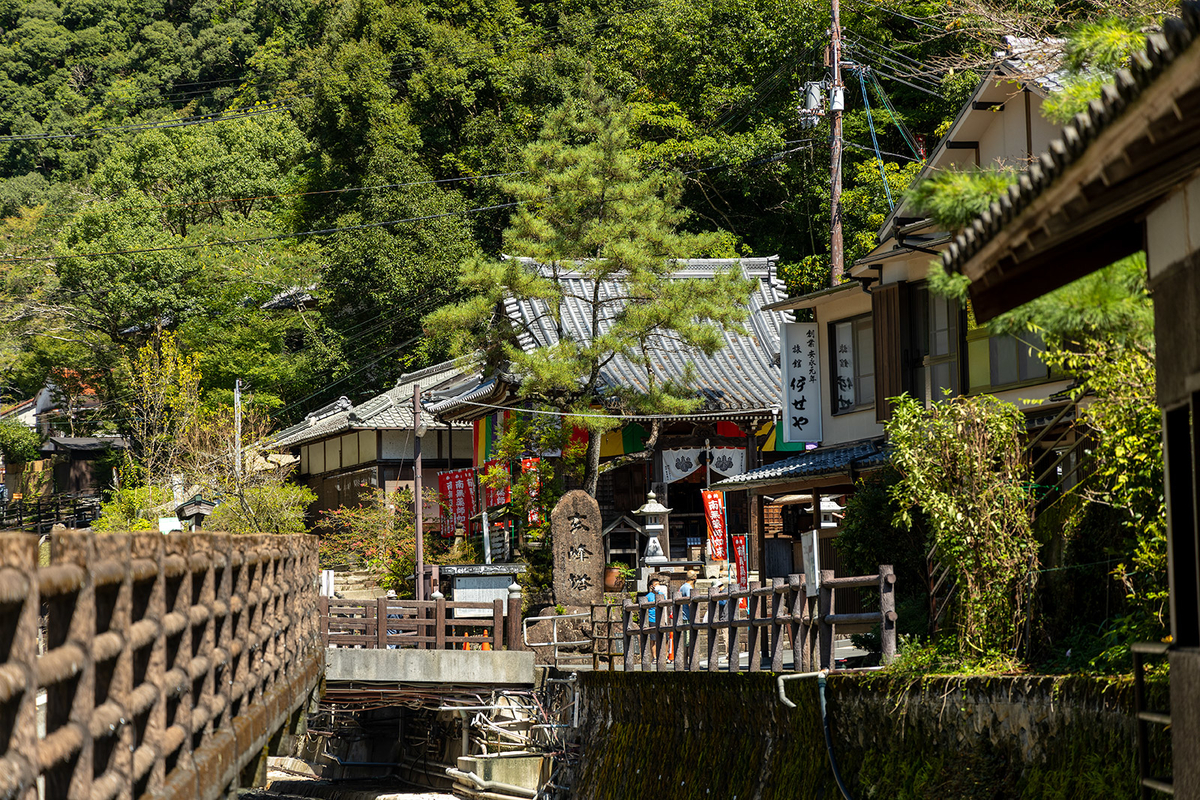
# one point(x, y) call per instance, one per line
point(200, 120)
point(215, 201)
point(257, 239)
point(915, 20)
point(772, 410)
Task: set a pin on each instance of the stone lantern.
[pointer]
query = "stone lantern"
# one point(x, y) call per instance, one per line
point(655, 515)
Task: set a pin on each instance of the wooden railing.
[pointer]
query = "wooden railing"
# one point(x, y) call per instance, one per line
point(772, 611)
point(42, 514)
point(436, 624)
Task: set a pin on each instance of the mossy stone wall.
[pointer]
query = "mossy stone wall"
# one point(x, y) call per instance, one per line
point(677, 735)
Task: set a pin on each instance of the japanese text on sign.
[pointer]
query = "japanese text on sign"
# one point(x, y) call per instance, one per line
point(801, 372)
point(457, 488)
point(714, 514)
point(743, 569)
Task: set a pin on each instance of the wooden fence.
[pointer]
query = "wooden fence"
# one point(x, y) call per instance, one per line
point(436, 624)
point(42, 514)
point(783, 607)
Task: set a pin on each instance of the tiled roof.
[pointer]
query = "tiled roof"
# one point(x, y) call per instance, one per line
point(392, 409)
point(742, 376)
point(1161, 50)
point(810, 464)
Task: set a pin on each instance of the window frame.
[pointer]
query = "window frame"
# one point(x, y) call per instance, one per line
point(859, 379)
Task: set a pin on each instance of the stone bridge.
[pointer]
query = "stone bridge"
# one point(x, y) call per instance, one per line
point(142, 665)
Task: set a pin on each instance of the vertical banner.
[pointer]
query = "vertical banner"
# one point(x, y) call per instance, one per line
point(495, 495)
point(801, 383)
point(743, 569)
point(714, 515)
point(531, 465)
point(457, 488)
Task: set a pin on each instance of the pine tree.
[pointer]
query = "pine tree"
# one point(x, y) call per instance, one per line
point(587, 207)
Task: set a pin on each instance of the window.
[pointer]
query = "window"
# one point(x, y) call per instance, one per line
point(933, 362)
point(853, 344)
point(1015, 359)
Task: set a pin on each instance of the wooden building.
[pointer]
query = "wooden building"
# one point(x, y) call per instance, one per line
point(1123, 177)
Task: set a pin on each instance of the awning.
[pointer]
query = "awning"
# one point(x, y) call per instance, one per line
point(819, 463)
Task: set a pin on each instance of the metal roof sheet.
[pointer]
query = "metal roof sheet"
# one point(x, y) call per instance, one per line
point(811, 463)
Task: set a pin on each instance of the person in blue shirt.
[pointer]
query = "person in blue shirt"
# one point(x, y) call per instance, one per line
point(685, 611)
point(653, 591)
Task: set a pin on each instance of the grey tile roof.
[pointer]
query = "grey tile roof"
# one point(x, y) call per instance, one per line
point(1161, 50)
point(742, 376)
point(810, 464)
point(392, 409)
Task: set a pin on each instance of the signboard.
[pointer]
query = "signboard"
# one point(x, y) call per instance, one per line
point(714, 515)
point(810, 552)
point(457, 488)
point(531, 465)
point(479, 589)
point(801, 383)
point(495, 496)
point(743, 569)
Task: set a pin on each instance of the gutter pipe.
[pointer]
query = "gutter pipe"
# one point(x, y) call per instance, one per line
point(820, 676)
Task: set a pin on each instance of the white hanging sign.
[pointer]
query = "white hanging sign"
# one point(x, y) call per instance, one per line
point(728, 461)
point(679, 462)
point(801, 373)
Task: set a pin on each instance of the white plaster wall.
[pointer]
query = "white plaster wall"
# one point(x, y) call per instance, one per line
point(397, 444)
point(1173, 229)
point(852, 426)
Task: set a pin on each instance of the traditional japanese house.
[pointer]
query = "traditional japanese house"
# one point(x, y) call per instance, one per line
point(345, 448)
point(1119, 179)
point(730, 431)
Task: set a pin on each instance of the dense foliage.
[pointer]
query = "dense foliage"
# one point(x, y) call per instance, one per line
point(962, 463)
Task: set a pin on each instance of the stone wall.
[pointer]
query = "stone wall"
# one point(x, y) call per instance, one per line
point(679, 735)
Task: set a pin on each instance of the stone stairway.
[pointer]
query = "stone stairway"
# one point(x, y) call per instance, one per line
point(357, 585)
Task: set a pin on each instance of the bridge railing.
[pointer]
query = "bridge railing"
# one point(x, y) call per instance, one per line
point(673, 640)
point(170, 662)
point(436, 624)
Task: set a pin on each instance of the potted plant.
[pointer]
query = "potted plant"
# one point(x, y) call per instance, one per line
point(616, 573)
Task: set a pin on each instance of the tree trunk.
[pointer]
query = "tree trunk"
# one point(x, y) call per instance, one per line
point(591, 474)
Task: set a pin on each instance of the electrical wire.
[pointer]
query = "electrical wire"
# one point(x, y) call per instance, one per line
point(771, 410)
point(914, 20)
point(862, 82)
point(200, 120)
point(216, 200)
point(257, 239)
point(909, 138)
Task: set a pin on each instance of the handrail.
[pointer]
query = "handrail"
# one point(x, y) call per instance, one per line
point(783, 607)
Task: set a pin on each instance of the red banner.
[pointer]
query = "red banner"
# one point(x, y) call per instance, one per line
point(531, 465)
point(714, 514)
point(743, 571)
point(457, 488)
point(495, 496)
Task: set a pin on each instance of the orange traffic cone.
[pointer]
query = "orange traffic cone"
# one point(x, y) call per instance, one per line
point(486, 646)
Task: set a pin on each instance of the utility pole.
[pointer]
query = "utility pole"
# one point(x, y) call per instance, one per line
point(837, 103)
point(237, 429)
point(418, 504)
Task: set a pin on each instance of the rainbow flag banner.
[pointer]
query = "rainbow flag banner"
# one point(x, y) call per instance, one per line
point(629, 439)
point(487, 436)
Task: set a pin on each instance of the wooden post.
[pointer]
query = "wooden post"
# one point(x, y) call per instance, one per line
point(497, 624)
point(627, 625)
point(693, 635)
point(679, 630)
point(381, 629)
point(323, 607)
point(664, 631)
point(887, 607)
point(439, 620)
point(735, 644)
point(824, 609)
point(755, 630)
point(796, 626)
point(778, 609)
point(513, 620)
point(714, 632)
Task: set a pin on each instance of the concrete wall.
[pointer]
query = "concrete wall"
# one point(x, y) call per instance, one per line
point(505, 667)
point(682, 735)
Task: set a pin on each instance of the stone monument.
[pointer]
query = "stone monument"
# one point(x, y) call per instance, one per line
point(578, 550)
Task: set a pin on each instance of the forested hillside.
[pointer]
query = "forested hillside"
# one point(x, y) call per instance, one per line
point(291, 186)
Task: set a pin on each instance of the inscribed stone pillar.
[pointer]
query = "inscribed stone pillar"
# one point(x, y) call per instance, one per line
point(578, 550)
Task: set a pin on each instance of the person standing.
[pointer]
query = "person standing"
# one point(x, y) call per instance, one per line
point(652, 594)
point(685, 610)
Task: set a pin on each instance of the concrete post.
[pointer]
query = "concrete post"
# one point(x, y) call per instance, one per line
point(513, 619)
